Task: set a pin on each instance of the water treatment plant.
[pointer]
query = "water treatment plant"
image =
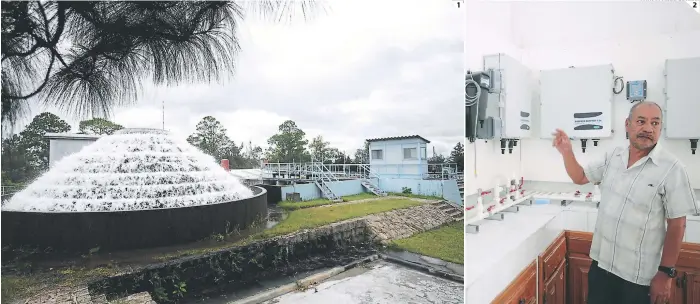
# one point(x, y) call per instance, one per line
point(142, 213)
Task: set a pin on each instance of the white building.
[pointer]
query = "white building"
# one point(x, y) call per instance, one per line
point(402, 156)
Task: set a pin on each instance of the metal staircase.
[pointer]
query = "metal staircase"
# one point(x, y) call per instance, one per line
point(321, 176)
point(372, 188)
point(366, 182)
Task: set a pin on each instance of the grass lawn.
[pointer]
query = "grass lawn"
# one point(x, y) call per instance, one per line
point(15, 288)
point(445, 243)
point(315, 217)
point(286, 205)
point(307, 218)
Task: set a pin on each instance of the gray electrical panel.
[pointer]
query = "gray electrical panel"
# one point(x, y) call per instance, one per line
point(682, 98)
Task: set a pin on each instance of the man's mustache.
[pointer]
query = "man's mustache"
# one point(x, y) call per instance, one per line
point(645, 135)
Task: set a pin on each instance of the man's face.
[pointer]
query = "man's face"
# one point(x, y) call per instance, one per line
point(644, 127)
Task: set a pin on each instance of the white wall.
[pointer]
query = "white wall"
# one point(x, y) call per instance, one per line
point(393, 161)
point(636, 38)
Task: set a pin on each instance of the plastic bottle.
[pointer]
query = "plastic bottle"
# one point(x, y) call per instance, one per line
point(479, 207)
point(596, 192)
point(496, 193)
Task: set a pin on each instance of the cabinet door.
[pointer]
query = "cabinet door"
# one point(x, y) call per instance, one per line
point(555, 287)
point(677, 290)
point(577, 281)
point(523, 290)
point(560, 278)
point(692, 287)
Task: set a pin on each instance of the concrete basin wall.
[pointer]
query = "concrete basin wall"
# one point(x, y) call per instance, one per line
point(122, 230)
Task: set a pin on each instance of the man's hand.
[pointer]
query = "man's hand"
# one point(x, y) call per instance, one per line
point(660, 289)
point(561, 142)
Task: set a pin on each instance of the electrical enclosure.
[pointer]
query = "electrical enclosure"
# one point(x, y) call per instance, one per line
point(681, 118)
point(578, 101)
point(636, 90)
point(477, 86)
point(510, 101)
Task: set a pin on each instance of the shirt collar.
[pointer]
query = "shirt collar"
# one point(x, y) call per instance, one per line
point(654, 155)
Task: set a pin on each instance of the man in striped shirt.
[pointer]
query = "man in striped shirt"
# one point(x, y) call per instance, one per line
point(644, 188)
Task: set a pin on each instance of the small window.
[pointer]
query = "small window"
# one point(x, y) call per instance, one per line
point(377, 154)
point(423, 153)
point(410, 153)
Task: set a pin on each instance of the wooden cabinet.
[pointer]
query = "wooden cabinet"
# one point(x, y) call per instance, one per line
point(685, 290)
point(552, 274)
point(555, 287)
point(687, 287)
point(691, 284)
point(560, 274)
point(577, 280)
point(579, 245)
point(523, 290)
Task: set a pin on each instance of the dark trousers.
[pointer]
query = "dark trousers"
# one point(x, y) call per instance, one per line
point(607, 288)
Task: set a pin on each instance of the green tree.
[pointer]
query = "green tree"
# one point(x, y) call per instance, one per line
point(362, 155)
point(342, 158)
point(210, 137)
point(251, 155)
point(321, 150)
point(289, 145)
point(437, 159)
point(35, 145)
point(98, 126)
point(87, 56)
point(333, 156)
point(457, 156)
point(15, 162)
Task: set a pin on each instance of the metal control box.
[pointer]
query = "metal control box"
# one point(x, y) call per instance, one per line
point(510, 102)
point(682, 108)
point(636, 90)
point(578, 100)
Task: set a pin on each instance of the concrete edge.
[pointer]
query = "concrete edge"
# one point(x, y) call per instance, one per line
point(424, 268)
point(285, 289)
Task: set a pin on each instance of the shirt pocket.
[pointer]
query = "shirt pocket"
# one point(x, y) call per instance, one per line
point(645, 197)
point(612, 172)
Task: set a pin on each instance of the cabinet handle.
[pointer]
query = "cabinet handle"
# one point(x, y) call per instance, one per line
point(685, 282)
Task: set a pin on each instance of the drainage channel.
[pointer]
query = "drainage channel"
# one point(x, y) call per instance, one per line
point(379, 282)
point(376, 279)
point(274, 216)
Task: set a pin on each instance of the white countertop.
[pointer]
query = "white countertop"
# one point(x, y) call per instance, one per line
point(502, 249)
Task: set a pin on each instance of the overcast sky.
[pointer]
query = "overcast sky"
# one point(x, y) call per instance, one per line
point(363, 69)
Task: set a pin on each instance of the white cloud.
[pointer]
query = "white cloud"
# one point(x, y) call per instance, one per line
point(250, 124)
point(364, 69)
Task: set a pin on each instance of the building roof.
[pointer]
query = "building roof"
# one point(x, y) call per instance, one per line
point(399, 138)
point(71, 136)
